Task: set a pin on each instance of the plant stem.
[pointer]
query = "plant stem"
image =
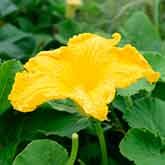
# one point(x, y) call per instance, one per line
point(100, 134)
point(75, 143)
point(156, 14)
point(70, 11)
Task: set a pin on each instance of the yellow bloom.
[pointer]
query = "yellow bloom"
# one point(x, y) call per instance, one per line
point(87, 70)
point(74, 2)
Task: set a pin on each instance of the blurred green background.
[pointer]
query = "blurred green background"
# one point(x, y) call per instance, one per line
point(28, 26)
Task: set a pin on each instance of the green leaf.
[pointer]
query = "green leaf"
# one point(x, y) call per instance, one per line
point(112, 161)
point(10, 33)
point(8, 70)
point(135, 88)
point(7, 7)
point(26, 24)
point(120, 104)
point(42, 40)
point(14, 43)
point(67, 29)
point(25, 4)
point(157, 61)
point(42, 152)
point(7, 153)
point(9, 50)
point(57, 123)
point(141, 32)
point(92, 153)
point(66, 105)
point(143, 148)
point(159, 91)
point(149, 114)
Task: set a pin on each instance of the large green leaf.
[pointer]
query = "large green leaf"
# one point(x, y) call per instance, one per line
point(66, 105)
point(143, 148)
point(42, 152)
point(57, 123)
point(17, 128)
point(135, 88)
point(141, 32)
point(157, 61)
point(7, 7)
point(148, 113)
point(8, 70)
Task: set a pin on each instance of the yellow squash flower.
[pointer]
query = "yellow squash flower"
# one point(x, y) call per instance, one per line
point(88, 70)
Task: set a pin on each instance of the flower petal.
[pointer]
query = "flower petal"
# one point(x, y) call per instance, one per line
point(128, 65)
point(43, 80)
point(94, 103)
point(95, 108)
point(88, 38)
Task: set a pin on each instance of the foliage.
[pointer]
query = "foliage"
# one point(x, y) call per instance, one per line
point(135, 130)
